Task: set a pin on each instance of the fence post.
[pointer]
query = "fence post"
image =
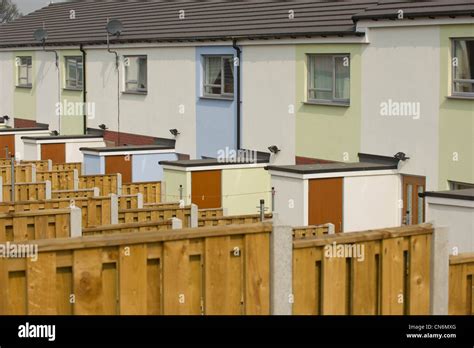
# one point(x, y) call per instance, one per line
point(331, 228)
point(75, 223)
point(439, 287)
point(33, 173)
point(1, 189)
point(96, 192)
point(114, 209)
point(176, 223)
point(12, 159)
point(76, 179)
point(140, 200)
point(48, 189)
point(194, 216)
point(262, 209)
point(281, 268)
point(163, 197)
point(50, 165)
point(119, 183)
point(273, 199)
point(180, 192)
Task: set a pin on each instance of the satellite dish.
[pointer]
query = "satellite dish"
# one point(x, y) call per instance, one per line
point(114, 27)
point(40, 35)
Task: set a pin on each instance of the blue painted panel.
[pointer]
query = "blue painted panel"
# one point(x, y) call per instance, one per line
point(92, 165)
point(215, 119)
point(146, 167)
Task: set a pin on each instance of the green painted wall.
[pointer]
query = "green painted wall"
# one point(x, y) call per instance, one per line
point(24, 99)
point(328, 132)
point(242, 190)
point(70, 124)
point(456, 118)
point(172, 180)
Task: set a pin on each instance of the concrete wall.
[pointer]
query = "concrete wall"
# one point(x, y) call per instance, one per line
point(215, 119)
point(174, 178)
point(147, 168)
point(6, 83)
point(242, 190)
point(371, 202)
point(458, 216)
point(93, 165)
point(290, 200)
point(269, 100)
point(402, 65)
point(170, 72)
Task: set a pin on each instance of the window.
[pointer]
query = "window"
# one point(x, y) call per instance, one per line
point(463, 67)
point(74, 71)
point(219, 76)
point(25, 73)
point(329, 78)
point(455, 185)
point(135, 74)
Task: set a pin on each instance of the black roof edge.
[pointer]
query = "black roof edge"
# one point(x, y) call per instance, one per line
point(165, 142)
point(331, 170)
point(26, 129)
point(61, 137)
point(446, 194)
point(372, 158)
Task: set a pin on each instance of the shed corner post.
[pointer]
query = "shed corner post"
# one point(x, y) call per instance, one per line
point(439, 286)
point(281, 268)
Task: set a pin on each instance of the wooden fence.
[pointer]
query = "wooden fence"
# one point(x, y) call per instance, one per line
point(68, 166)
point(109, 183)
point(208, 213)
point(23, 173)
point(214, 270)
point(151, 191)
point(133, 227)
point(310, 231)
point(377, 272)
point(31, 225)
point(130, 201)
point(155, 214)
point(41, 166)
point(27, 191)
point(461, 286)
point(60, 179)
point(231, 220)
point(80, 193)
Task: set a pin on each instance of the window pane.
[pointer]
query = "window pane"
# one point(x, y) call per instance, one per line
point(131, 70)
point(342, 78)
point(322, 76)
point(142, 73)
point(212, 90)
point(464, 87)
point(23, 72)
point(228, 75)
point(213, 71)
point(464, 52)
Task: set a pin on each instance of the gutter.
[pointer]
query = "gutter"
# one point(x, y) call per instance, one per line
point(84, 88)
point(238, 109)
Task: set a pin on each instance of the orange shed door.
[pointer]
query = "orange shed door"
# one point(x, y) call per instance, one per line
point(325, 202)
point(206, 189)
point(54, 152)
point(7, 140)
point(119, 164)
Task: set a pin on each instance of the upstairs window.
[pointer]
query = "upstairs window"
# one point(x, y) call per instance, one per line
point(136, 74)
point(74, 73)
point(219, 76)
point(463, 67)
point(25, 71)
point(329, 78)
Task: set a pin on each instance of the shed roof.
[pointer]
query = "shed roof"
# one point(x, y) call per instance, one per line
point(332, 167)
point(127, 148)
point(62, 137)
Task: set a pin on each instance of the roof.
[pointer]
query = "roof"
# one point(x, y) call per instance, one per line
point(155, 20)
point(388, 9)
point(465, 194)
point(209, 162)
point(127, 148)
point(332, 167)
point(31, 129)
point(62, 137)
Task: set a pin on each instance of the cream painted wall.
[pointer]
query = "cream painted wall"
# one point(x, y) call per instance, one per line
point(47, 94)
point(371, 202)
point(242, 190)
point(19, 145)
point(290, 189)
point(6, 83)
point(174, 178)
point(72, 150)
point(171, 83)
point(402, 64)
point(31, 152)
point(269, 91)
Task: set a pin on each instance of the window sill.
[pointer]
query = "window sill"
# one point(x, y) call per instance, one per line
point(24, 87)
point(327, 103)
point(462, 97)
point(216, 98)
point(72, 89)
point(135, 92)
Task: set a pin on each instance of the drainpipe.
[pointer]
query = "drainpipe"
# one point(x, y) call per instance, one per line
point(239, 53)
point(84, 89)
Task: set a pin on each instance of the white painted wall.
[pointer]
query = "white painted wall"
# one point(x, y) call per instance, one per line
point(371, 202)
point(6, 85)
point(269, 80)
point(290, 189)
point(19, 145)
point(402, 64)
point(72, 150)
point(47, 94)
point(31, 152)
point(458, 216)
point(171, 83)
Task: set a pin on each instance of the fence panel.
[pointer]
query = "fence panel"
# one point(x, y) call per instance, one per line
point(151, 191)
point(68, 166)
point(23, 173)
point(41, 165)
point(171, 272)
point(209, 213)
point(461, 286)
point(309, 231)
point(130, 201)
point(155, 214)
point(109, 183)
point(60, 179)
point(231, 220)
point(27, 191)
point(377, 272)
point(80, 193)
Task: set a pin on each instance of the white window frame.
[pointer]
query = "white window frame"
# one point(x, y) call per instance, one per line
point(453, 71)
point(126, 82)
point(223, 94)
point(78, 86)
point(311, 87)
point(28, 67)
